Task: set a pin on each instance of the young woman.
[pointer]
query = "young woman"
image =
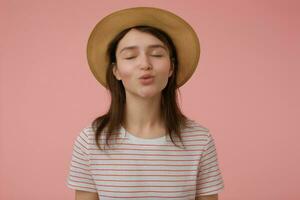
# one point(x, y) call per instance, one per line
point(144, 147)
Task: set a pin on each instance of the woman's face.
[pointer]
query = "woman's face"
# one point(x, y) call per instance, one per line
point(139, 54)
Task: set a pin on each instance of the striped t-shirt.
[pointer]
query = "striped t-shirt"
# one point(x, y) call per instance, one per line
point(139, 168)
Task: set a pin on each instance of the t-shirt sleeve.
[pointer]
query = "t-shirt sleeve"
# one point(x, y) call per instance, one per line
point(209, 179)
point(79, 177)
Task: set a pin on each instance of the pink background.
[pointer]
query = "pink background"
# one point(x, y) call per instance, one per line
point(245, 90)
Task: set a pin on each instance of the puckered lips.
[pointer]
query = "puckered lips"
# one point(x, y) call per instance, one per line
point(146, 79)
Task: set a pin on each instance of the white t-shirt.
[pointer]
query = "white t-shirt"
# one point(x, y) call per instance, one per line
point(139, 168)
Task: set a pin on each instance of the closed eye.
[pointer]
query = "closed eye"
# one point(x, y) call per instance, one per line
point(129, 58)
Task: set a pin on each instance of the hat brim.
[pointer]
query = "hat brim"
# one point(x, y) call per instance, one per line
point(182, 34)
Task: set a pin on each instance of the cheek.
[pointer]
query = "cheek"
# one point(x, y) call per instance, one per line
point(165, 70)
point(125, 73)
point(163, 77)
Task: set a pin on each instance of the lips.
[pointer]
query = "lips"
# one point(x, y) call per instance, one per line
point(146, 76)
point(146, 79)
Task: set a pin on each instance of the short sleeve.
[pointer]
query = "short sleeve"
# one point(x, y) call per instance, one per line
point(79, 177)
point(209, 179)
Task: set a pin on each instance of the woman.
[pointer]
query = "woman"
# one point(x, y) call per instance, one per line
point(144, 147)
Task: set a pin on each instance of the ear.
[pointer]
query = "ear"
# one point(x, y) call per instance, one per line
point(171, 69)
point(115, 71)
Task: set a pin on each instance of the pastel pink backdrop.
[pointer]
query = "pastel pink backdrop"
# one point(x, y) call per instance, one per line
point(245, 90)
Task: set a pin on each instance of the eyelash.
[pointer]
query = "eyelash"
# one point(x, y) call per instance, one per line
point(158, 56)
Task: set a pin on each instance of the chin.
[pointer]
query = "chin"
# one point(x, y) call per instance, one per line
point(145, 92)
point(148, 94)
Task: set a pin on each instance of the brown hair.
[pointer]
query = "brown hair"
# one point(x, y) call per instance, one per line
point(171, 114)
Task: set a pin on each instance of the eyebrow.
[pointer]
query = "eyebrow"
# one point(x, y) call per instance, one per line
point(150, 46)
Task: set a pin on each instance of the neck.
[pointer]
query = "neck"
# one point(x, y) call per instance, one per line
point(142, 115)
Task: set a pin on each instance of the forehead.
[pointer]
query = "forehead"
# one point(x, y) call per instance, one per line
point(139, 39)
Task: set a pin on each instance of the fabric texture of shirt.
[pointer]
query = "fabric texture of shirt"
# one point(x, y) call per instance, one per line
point(139, 168)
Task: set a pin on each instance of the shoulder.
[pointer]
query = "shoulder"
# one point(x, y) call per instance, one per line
point(195, 126)
point(196, 131)
point(86, 133)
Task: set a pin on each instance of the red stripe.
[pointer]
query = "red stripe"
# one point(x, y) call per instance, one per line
point(119, 133)
point(127, 139)
point(83, 146)
point(90, 179)
point(132, 197)
point(137, 159)
point(215, 180)
point(133, 154)
point(147, 181)
point(127, 149)
point(85, 134)
point(159, 165)
point(204, 156)
point(79, 148)
point(157, 191)
point(203, 193)
point(83, 160)
point(201, 179)
point(80, 163)
point(145, 170)
point(81, 186)
point(75, 150)
point(214, 161)
point(153, 145)
point(141, 186)
point(183, 136)
point(210, 187)
point(78, 168)
point(209, 171)
point(72, 173)
point(135, 175)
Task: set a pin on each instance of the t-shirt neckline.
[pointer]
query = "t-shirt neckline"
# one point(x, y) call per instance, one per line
point(139, 140)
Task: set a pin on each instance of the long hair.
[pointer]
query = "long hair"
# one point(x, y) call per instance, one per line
point(171, 114)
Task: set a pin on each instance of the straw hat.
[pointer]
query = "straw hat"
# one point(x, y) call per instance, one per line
point(182, 34)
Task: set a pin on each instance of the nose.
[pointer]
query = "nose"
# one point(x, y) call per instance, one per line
point(145, 64)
